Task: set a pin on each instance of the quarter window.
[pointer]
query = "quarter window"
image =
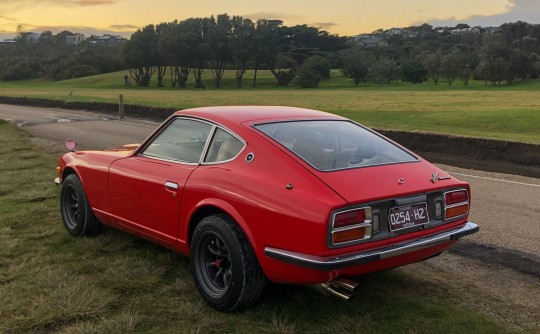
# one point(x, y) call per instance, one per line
point(182, 140)
point(223, 147)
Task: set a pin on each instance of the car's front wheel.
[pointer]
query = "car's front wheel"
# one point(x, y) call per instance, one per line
point(76, 212)
point(224, 267)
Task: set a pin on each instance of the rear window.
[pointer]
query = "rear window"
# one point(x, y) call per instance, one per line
point(333, 145)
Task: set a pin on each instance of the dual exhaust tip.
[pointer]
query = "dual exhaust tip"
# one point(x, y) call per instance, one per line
point(342, 288)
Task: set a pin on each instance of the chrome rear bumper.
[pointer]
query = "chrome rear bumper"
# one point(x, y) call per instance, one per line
point(333, 263)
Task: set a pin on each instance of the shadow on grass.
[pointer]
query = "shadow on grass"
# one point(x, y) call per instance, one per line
point(159, 284)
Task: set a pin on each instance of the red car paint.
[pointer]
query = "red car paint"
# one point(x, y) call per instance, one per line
point(278, 199)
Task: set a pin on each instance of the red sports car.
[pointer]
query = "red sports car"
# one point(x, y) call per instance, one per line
point(284, 194)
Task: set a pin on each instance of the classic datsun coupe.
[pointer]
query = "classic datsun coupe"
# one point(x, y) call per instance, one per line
point(284, 194)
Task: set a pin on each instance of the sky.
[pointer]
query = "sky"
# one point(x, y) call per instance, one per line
point(342, 17)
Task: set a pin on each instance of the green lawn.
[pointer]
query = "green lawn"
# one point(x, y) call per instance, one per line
point(477, 110)
point(117, 283)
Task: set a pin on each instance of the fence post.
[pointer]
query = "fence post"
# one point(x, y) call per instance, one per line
point(121, 106)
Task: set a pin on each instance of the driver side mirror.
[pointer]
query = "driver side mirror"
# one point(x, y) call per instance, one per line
point(70, 144)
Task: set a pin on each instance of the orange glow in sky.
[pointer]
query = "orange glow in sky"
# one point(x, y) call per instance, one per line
point(343, 17)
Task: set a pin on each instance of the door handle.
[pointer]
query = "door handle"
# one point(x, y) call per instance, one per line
point(171, 186)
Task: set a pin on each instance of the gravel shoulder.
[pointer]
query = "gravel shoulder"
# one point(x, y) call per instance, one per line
point(496, 291)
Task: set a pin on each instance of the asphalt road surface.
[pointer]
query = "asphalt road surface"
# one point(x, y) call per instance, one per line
point(507, 207)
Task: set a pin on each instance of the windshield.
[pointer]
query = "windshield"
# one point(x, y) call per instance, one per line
point(332, 145)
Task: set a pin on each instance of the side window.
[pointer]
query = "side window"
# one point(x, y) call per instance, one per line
point(223, 147)
point(183, 140)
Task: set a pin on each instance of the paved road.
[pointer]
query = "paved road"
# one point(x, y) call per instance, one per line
point(507, 207)
point(91, 130)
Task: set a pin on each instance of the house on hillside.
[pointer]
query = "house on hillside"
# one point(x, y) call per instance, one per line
point(370, 40)
point(75, 39)
point(464, 31)
point(32, 36)
point(109, 40)
point(395, 31)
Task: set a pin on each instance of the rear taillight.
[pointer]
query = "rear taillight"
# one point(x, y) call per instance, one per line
point(349, 218)
point(456, 204)
point(352, 225)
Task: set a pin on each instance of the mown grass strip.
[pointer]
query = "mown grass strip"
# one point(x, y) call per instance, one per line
point(117, 283)
point(502, 112)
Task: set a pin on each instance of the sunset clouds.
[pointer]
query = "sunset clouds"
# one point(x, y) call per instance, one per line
point(516, 10)
point(344, 17)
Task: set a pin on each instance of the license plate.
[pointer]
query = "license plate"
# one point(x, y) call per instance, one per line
point(408, 216)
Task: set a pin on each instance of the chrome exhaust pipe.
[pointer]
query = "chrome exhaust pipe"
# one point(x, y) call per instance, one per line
point(346, 284)
point(337, 292)
point(343, 288)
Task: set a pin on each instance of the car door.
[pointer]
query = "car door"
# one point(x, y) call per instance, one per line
point(146, 189)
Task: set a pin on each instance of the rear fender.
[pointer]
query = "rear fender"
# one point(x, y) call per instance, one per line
point(220, 205)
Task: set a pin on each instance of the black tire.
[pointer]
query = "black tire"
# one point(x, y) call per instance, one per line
point(224, 266)
point(76, 213)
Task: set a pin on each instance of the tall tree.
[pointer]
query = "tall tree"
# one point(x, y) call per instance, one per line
point(521, 65)
point(218, 36)
point(384, 71)
point(197, 29)
point(161, 57)
point(451, 66)
point(298, 43)
point(242, 39)
point(433, 65)
point(414, 71)
point(140, 55)
point(356, 64)
point(266, 41)
point(494, 55)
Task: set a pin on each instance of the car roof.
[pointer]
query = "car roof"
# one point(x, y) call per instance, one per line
point(228, 115)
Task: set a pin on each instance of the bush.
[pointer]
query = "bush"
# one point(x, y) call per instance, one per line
point(18, 72)
point(313, 71)
point(414, 72)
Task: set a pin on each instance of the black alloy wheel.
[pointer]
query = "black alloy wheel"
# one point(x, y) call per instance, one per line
point(76, 212)
point(224, 266)
point(216, 271)
point(71, 207)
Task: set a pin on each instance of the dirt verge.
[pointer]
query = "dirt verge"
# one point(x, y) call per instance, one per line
point(496, 291)
point(476, 153)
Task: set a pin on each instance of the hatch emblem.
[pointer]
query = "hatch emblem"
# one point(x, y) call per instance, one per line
point(435, 176)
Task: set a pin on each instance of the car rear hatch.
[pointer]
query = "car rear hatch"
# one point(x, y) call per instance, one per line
point(365, 184)
point(391, 200)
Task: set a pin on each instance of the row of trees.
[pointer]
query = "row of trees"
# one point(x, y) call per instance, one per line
point(174, 51)
point(509, 53)
point(423, 53)
point(221, 42)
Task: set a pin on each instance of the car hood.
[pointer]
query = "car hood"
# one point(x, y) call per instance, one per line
point(125, 148)
point(367, 184)
point(104, 157)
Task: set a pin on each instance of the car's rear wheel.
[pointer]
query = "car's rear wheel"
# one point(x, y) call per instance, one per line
point(76, 212)
point(224, 267)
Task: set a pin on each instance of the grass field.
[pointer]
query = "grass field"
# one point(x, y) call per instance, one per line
point(117, 283)
point(477, 110)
